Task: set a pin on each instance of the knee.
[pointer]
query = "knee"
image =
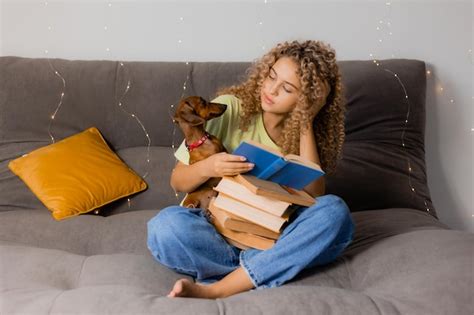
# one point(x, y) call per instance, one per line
point(160, 221)
point(161, 228)
point(336, 210)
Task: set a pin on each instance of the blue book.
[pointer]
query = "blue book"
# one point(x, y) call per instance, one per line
point(290, 170)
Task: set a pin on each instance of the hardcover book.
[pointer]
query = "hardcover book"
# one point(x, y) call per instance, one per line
point(246, 239)
point(275, 191)
point(290, 170)
point(229, 186)
point(250, 213)
point(235, 223)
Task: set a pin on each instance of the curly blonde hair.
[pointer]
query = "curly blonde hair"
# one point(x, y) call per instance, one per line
point(321, 92)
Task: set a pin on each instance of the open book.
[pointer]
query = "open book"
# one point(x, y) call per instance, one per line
point(290, 170)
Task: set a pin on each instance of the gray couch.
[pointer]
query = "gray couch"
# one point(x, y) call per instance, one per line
point(403, 260)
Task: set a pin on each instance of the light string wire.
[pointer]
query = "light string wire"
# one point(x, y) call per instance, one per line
point(171, 110)
point(428, 73)
point(382, 22)
point(260, 24)
point(376, 61)
point(120, 103)
point(133, 115)
point(53, 116)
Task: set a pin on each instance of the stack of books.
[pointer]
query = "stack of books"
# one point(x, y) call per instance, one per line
point(251, 213)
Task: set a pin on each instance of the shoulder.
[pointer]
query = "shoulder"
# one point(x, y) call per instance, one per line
point(233, 109)
point(228, 99)
point(227, 121)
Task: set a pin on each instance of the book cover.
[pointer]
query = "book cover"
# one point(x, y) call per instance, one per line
point(235, 243)
point(275, 191)
point(247, 212)
point(231, 187)
point(290, 170)
point(235, 223)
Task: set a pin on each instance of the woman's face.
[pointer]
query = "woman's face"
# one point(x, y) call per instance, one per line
point(281, 89)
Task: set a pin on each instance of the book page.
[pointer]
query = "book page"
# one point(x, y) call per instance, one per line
point(301, 160)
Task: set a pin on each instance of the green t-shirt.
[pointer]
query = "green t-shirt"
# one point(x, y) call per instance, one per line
point(226, 128)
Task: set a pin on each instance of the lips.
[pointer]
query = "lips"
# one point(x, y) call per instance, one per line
point(267, 99)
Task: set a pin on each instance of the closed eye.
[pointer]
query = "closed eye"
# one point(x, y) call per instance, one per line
point(273, 78)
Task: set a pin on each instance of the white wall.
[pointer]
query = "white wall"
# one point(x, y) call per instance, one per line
point(438, 32)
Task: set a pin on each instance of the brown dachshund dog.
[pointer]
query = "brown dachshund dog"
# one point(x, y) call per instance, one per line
point(191, 114)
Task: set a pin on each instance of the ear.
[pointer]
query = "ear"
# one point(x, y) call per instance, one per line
point(193, 119)
point(188, 115)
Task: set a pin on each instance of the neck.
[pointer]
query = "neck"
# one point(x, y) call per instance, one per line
point(192, 133)
point(273, 121)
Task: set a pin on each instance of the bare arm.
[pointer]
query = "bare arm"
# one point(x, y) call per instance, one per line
point(308, 150)
point(187, 178)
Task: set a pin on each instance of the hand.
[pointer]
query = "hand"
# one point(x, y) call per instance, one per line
point(225, 164)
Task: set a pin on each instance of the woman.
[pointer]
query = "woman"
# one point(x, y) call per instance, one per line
point(292, 101)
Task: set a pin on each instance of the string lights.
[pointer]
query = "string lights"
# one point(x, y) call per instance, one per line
point(120, 105)
point(172, 109)
point(383, 25)
point(133, 115)
point(428, 73)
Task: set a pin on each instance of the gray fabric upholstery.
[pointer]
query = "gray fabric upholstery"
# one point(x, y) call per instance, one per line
point(374, 160)
point(402, 261)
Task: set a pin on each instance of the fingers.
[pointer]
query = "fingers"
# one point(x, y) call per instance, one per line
point(237, 168)
point(231, 157)
point(233, 164)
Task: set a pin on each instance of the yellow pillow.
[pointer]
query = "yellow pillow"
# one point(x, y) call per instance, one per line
point(77, 174)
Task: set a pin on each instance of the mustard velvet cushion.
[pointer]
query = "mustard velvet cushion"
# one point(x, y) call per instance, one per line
point(77, 174)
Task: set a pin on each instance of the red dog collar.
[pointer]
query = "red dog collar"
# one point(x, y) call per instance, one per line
point(196, 144)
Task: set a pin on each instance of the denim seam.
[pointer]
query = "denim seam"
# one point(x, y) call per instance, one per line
point(249, 272)
point(190, 258)
point(233, 256)
point(181, 270)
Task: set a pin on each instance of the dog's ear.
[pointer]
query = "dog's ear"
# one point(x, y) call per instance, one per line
point(189, 115)
point(193, 119)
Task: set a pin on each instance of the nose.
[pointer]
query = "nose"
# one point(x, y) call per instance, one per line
point(273, 88)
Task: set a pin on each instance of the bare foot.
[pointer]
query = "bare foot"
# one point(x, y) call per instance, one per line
point(187, 288)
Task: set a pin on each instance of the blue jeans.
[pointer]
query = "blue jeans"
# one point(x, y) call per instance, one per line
point(184, 240)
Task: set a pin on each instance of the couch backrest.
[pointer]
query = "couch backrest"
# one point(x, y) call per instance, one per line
point(373, 174)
